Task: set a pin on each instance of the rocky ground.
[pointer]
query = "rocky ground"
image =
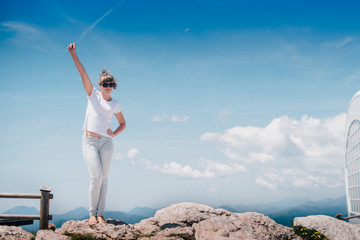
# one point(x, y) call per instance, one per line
point(181, 221)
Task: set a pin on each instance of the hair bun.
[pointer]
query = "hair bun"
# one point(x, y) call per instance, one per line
point(106, 71)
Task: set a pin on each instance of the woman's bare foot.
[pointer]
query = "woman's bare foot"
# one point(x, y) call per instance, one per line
point(92, 221)
point(101, 219)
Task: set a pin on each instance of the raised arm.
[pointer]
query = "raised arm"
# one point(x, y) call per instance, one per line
point(84, 77)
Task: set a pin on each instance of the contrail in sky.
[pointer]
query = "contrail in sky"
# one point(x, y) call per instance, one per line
point(97, 21)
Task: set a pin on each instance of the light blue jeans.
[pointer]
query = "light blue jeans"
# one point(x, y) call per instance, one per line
point(97, 152)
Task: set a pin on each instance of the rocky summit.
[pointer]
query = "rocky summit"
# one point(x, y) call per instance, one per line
point(177, 222)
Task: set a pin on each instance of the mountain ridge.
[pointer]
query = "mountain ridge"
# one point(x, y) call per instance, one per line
point(284, 215)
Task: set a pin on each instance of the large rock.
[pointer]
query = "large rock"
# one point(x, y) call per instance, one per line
point(49, 234)
point(242, 226)
point(187, 213)
point(14, 233)
point(100, 230)
point(177, 218)
point(147, 226)
point(332, 228)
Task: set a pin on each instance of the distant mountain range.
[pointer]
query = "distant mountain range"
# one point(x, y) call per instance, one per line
point(134, 216)
point(283, 212)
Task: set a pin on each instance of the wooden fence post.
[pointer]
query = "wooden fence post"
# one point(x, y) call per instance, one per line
point(44, 216)
point(44, 207)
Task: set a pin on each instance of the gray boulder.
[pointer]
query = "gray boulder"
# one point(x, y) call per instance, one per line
point(332, 228)
point(14, 233)
point(242, 226)
point(187, 213)
point(100, 230)
point(50, 234)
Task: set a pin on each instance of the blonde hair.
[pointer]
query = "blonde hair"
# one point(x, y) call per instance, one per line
point(107, 77)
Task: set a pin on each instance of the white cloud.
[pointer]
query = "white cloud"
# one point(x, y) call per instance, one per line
point(186, 171)
point(165, 117)
point(132, 153)
point(179, 119)
point(312, 146)
point(187, 29)
point(275, 177)
point(30, 36)
point(160, 117)
point(285, 154)
point(221, 168)
point(288, 178)
point(21, 27)
point(344, 42)
point(339, 43)
point(262, 182)
point(224, 116)
point(283, 138)
point(135, 159)
point(210, 169)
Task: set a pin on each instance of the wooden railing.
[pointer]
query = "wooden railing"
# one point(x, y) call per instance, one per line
point(44, 216)
point(338, 216)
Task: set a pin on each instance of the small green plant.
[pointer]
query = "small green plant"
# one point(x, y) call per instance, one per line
point(77, 236)
point(34, 236)
point(308, 234)
point(141, 235)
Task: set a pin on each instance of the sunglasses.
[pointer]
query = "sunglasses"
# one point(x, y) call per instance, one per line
point(112, 85)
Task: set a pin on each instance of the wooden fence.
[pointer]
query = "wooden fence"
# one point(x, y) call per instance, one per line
point(44, 216)
point(338, 216)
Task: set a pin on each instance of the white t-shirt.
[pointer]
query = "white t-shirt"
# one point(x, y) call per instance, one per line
point(99, 113)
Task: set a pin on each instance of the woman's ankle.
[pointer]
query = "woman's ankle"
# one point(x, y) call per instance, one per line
point(93, 220)
point(101, 219)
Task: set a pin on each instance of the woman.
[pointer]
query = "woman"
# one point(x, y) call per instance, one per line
point(97, 144)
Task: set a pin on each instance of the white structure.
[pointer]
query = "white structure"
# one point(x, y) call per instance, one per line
point(352, 158)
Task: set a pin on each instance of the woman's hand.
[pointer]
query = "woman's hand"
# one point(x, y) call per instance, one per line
point(110, 132)
point(71, 47)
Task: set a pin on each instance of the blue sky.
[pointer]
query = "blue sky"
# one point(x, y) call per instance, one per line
point(226, 102)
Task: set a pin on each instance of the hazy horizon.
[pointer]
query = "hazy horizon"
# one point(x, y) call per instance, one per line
point(287, 201)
